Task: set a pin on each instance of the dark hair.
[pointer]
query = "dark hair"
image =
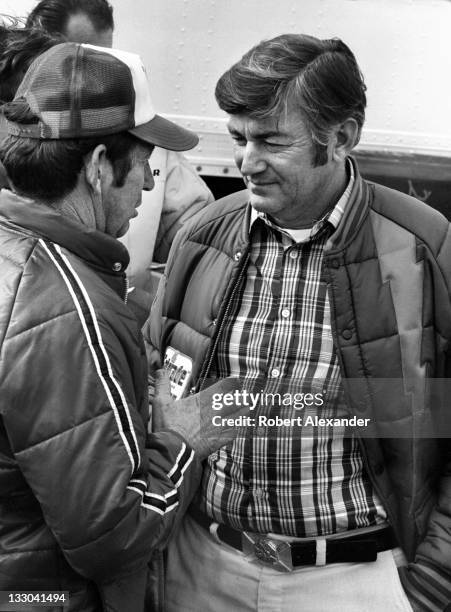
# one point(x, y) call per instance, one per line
point(47, 170)
point(18, 48)
point(53, 15)
point(320, 77)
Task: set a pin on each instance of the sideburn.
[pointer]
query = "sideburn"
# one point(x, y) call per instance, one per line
point(121, 168)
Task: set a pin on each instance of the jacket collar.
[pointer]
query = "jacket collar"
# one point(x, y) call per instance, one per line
point(354, 214)
point(96, 248)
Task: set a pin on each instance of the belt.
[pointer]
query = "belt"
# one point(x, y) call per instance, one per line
point(285, 556)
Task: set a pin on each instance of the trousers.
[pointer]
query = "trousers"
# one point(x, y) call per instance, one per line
point(205, 575)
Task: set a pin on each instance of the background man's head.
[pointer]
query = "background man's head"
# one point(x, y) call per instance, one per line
point(82, 21)
point(19, 46)
point(83, 118)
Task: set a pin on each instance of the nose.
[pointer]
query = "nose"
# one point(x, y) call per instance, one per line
point(149, 182)
point(250, 159)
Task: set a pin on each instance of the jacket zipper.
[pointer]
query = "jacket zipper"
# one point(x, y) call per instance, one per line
point(126, 287)
point(209, 359)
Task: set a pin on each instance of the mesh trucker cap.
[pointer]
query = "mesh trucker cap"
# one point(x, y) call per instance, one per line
point(79, 91)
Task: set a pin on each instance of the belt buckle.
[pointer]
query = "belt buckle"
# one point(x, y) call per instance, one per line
point(275, 553)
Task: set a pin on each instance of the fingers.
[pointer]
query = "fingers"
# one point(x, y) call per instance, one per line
point(226, 385)
point(224, 396)
point(224, 425)
point(223, 436)
point(153, 358)
point(162, 387)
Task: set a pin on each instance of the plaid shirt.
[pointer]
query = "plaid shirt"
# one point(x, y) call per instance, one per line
point(278, 336)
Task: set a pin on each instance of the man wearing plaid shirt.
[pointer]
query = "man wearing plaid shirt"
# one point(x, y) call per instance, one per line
point(312, 280)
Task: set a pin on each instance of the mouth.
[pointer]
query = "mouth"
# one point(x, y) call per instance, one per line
point(259, 187)
point(258, 182)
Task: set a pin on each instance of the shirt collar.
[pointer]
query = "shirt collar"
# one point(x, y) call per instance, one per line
point(333, 217)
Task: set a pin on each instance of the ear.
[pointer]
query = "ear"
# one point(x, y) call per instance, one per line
point(347, 136)
point(95, 167)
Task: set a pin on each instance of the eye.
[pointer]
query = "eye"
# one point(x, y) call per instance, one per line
point(273, 145)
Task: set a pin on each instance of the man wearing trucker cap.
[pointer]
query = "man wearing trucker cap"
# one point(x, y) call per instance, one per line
point(86, 493)
point(179, 192)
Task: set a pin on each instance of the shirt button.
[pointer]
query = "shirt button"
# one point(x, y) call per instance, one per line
point(237, 256)
point(347, 334)
point(275, 372)
point(335, 263)
point(259, 493)
point(117, 267)
point(293, 254)
point(285, 313)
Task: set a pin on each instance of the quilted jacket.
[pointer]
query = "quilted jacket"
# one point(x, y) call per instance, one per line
point(388, 267)
point(86, 494)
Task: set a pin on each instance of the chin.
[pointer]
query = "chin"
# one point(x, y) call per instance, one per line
point(123, 230)
point(262, 204)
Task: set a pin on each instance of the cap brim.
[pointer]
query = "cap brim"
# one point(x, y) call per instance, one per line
point(164, 133)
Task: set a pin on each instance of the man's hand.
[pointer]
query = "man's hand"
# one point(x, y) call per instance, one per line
point(192, 417)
